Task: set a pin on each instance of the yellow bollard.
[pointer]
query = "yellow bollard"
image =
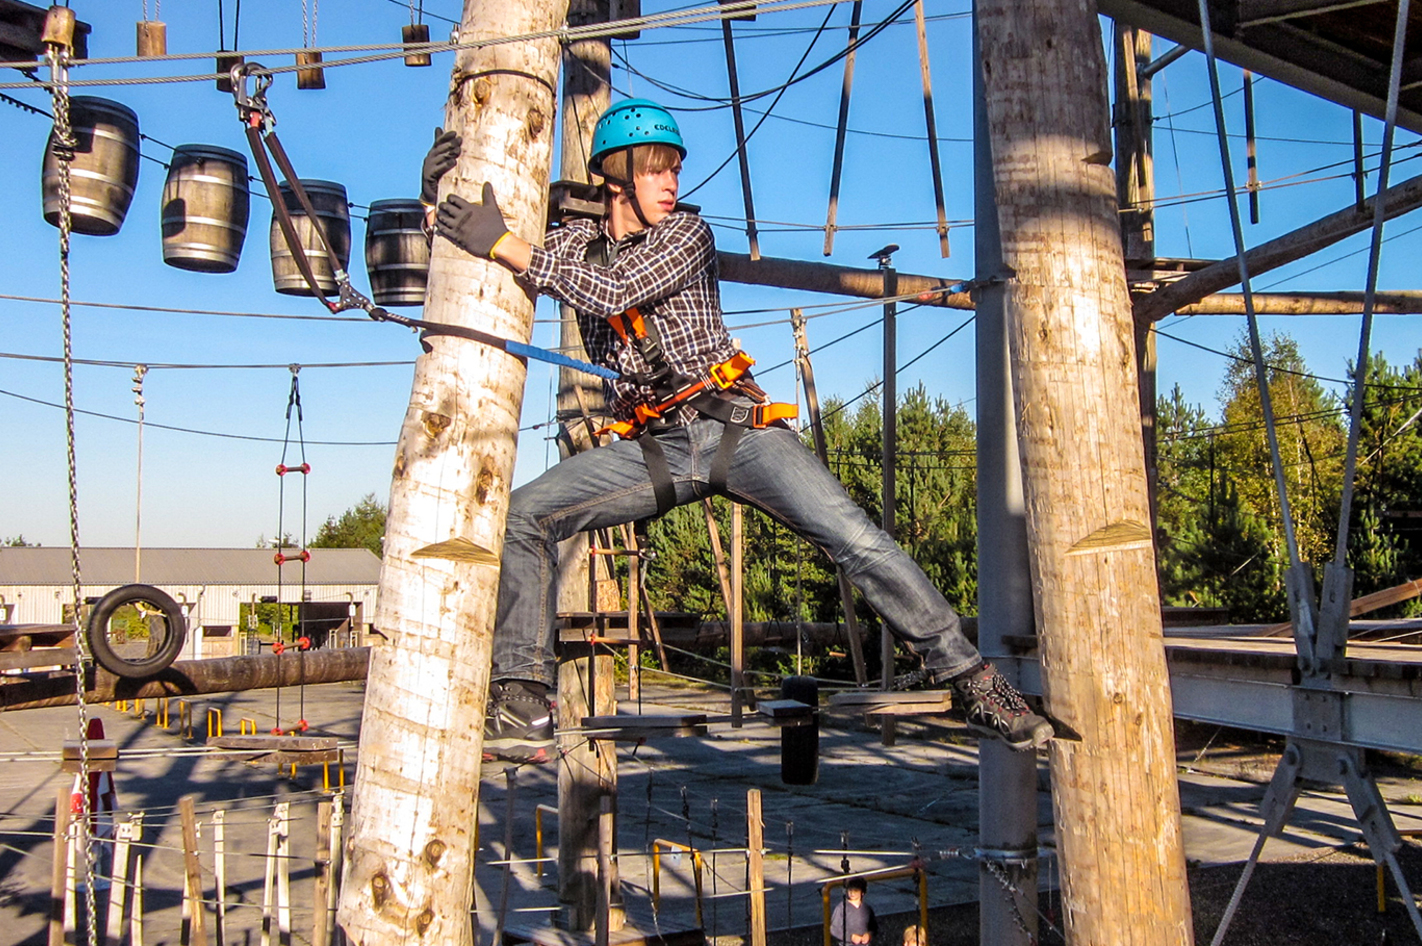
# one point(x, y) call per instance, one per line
point(185, 718)
point(160, 715)
point(214, 721)
point(246, 726)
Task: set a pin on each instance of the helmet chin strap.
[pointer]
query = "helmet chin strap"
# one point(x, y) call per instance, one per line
point(629, 188)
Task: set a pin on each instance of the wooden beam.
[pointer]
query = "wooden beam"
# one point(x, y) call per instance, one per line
point(738, 118)
point(838, 280)
point(931, 123)
point(1399, 302)
point(1071, 335)
point(1292, 246)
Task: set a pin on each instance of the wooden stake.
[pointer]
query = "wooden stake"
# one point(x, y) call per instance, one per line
point(837, 170)
point(605, 841)
point(755, 864)
point(337, 859)
point(634, 608)
point(219, 871)
point(71, 893)
point(196, 932)
point(410, 871)
point(510, 790)
point(320, 918)
point(932, 125)
point(817, 429)
point(135, 921)
point(1075, 392)
point(283, 867)
point(124, 834)
point(269, 881)
point(59, 872)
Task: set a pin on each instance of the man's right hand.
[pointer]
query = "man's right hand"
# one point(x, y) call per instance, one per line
point(441, 157)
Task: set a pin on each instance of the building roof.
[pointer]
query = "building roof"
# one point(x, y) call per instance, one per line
point(114, 566)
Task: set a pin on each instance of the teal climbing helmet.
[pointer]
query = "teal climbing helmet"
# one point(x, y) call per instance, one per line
point(633, 122)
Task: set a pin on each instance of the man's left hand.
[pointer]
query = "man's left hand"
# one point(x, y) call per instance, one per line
point(475, 228)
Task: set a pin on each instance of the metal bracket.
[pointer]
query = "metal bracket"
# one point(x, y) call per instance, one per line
point(256, 103)
point(1318, 714)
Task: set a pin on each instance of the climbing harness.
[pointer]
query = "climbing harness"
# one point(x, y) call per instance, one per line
point(58, 38)
point(713, 392)
point(260, 124)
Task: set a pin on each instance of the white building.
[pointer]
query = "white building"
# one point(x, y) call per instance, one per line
point(337, 591)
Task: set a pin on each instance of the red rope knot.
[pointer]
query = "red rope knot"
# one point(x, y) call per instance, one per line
point(303, 643)
point(278, 648)
point(282, 469)
point(282, 559)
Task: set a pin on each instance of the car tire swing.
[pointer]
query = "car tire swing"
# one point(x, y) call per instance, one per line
point(124, 653)
point(800, 745)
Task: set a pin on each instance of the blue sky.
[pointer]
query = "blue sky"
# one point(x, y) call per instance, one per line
point(369, 129)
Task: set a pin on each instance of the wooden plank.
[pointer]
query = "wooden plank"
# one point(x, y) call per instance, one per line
point(43, 657)
point(636, 728)
point(275, 743)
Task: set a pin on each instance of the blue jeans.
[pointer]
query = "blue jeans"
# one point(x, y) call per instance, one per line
point(772, 471)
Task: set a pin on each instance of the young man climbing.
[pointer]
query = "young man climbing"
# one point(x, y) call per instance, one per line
point(643, 281)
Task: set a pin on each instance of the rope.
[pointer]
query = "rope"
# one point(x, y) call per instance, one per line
point(63, 145)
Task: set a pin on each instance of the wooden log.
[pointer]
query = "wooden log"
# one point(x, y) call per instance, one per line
point(1293, 245)
point(1396, 302)
point(1071, 334)
point(838, 280)
point(190, 677)
point(409, 874)
point(755, 866)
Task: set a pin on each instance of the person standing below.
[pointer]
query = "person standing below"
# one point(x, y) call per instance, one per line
point(643, 281)
point(853, 922)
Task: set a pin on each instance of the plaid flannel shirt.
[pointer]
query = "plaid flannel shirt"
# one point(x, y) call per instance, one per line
point(667, 272)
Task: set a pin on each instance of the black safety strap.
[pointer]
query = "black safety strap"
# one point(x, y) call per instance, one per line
point(725, 452)
point(283, 215)
point(659, 471)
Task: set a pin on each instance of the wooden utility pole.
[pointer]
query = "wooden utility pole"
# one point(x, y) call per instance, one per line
point(409, 877)
point(587, 770)
point(1071, 335)
point(1135, 195)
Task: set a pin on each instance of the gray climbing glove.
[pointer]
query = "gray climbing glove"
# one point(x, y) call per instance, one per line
point(475, 228)
point(442, 156)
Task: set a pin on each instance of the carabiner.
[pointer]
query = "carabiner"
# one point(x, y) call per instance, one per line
point(254, 105)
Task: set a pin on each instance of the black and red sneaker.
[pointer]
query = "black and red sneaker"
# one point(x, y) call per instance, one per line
point(518, 726)
point(995, 708)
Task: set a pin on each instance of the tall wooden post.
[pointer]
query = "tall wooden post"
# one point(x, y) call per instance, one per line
point(1092, 561)
point(587, 771)
point(409, 877)
point(1007, 803)
point(1135, 192)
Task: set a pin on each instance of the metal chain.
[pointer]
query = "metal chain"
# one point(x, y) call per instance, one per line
point(63, 147)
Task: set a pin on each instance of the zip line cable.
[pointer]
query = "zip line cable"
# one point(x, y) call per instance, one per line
point(202, 433)
point(563, 34)
point(154, 366)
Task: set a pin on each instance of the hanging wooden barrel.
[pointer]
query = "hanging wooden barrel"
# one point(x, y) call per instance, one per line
point(104, 171)
point(397, 255)
point(206, 203)
point(329, 200)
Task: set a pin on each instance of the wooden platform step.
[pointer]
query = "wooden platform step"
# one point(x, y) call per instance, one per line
point(627, 728)
point(283, 750)
point(882, 703)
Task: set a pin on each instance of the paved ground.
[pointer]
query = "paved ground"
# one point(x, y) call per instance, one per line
point(874, 801)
